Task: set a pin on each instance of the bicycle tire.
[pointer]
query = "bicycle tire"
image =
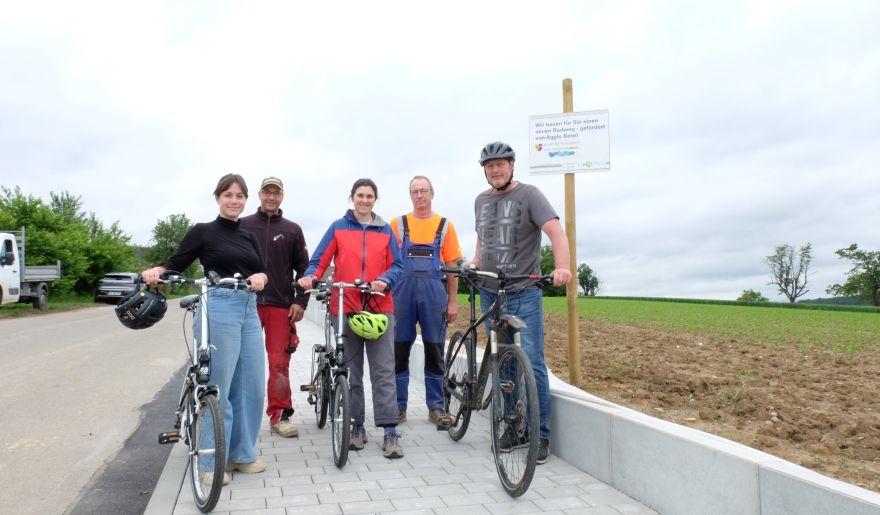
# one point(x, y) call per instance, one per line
point(456, 386)
point(340, 421)
point(322, 395)
point(206, 440)
point(516, 459)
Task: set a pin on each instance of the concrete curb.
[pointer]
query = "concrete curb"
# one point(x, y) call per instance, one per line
point(168, 487)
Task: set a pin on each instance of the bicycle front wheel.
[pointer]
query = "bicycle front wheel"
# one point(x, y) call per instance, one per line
point(322, 395)
point(207, 452)
point(340, 421)
point(456, 384)
point(514, 427)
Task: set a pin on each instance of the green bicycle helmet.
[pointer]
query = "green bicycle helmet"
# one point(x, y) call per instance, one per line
point(369, 326)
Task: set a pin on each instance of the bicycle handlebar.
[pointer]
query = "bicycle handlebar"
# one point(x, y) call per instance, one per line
point(472, 273)
point(326, 286)
point(236, 282)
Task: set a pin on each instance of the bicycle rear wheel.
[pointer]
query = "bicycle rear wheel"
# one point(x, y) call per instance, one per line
point(514, 428)
point(456, 387)
point(207, 451)
point(340, 421)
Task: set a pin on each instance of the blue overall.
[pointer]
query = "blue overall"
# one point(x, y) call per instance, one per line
point(420, 297)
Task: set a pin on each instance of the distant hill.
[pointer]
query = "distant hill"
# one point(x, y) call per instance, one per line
point(839, 301)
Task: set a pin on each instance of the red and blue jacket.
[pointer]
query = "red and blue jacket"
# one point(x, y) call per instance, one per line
point(366, 252)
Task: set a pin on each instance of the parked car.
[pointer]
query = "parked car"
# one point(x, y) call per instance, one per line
point(113, 287)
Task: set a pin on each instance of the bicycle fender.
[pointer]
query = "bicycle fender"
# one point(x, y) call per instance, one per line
point(513, 321)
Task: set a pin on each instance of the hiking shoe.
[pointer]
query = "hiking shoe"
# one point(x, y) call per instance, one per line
point(402, 417)
point(208, 478)
point(437, 416)
point(510, 441)
point(391, 446)
point(285, 428)
point(246, 468)
point(543, 451)
point(358, 438)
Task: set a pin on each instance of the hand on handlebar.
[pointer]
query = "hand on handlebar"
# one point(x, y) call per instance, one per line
point(151, 276)
point(305, 282)
point(378, 286)
point(258, 281)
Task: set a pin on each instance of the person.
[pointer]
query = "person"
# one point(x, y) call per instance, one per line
point(279, 305)
point(510, 217)
point(361, 246)
point(427, 241)
point(237, 361)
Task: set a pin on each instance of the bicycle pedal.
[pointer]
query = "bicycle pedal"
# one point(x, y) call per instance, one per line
point(307, 388)
point(169, 437)
point(506, 387)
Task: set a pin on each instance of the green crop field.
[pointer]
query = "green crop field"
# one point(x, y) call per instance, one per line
point(850, 332)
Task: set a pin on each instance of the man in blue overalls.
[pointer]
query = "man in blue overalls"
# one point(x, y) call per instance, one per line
point(427, 242)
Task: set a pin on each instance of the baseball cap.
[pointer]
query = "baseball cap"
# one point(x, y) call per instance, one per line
point(272, 181)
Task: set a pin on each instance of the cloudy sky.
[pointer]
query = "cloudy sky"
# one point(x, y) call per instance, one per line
point(734, 127)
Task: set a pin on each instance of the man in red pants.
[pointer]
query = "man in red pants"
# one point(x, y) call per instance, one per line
point(279, 305)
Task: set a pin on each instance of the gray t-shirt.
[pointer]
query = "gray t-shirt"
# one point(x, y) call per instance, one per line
point(509, 228)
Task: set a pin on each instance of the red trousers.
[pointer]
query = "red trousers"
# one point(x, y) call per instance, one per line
point(280, 336)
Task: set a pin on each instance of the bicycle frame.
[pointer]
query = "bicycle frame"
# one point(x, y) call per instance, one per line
point(502, 324)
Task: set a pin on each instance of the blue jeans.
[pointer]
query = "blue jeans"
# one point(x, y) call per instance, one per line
point(528, 305)
point(238, 363)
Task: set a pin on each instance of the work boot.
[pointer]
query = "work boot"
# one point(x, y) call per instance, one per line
point(437, 416)
point(358, 438)
point(391, 446)
point(285, 428)
point(402, 417)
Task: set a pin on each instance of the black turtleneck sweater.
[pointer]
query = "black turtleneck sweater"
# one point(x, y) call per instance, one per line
point(221, 246)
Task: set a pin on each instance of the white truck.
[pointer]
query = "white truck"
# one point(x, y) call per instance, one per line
point(20, 283)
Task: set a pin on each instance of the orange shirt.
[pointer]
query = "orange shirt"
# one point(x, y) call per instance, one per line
point(423, 230)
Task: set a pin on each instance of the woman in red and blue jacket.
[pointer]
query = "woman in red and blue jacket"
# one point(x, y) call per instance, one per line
point(362, 246)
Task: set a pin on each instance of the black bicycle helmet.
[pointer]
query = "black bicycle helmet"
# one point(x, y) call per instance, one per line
point(496, 150)
point(141, 309)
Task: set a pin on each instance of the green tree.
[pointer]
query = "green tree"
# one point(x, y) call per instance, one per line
point(547, 266)
point(863, 280)
point(167, 235)
point(587, 279)
point(789, 270)
point(752, 296)
point(62, 231)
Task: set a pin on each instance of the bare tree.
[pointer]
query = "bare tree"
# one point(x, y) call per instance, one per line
point(789, 270)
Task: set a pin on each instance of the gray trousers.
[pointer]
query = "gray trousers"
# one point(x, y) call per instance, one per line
point(380, 354)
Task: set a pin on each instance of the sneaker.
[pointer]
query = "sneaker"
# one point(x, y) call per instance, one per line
point(358, 438)
point(510, 441)
point(246, 468)
point(402, 417)
point(285, 428)
point(543, 451)
point(208, 478)
point(391, 446)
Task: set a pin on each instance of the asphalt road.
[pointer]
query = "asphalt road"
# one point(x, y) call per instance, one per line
point(72, 389)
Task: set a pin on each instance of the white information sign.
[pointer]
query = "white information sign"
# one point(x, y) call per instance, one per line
point(569, 142)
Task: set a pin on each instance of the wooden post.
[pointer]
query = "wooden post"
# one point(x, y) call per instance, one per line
point(574, 350)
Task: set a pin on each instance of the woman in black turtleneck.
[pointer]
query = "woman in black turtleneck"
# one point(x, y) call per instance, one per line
point(238, 363)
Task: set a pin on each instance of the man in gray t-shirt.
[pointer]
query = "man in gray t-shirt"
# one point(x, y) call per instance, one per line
point(510, 217)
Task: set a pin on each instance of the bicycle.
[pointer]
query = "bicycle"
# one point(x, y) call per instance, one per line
point(514, 415)
point(330, 370)
point(198, 418)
